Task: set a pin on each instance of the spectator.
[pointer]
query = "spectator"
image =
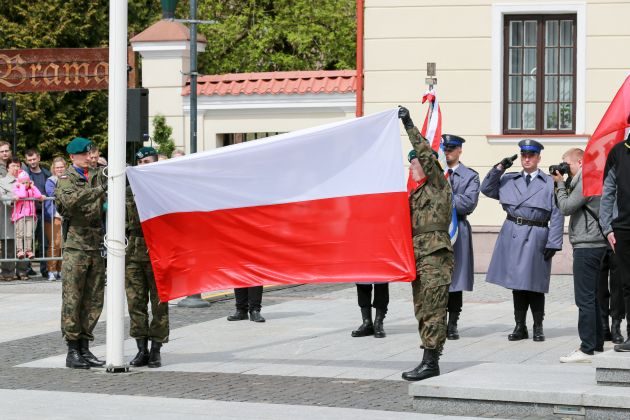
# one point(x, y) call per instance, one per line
point(52, 220)
point(38, 175)
point(5, 157)
point(177, 153)
point(24, 216)
point(589, 248)
point(7, 231)
point(162, 157)
point(93, 157)
point(614, 217)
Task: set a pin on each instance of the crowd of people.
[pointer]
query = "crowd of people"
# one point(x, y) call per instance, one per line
point(535, 204)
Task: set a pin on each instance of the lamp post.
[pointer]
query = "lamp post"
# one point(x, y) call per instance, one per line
point(168, 12)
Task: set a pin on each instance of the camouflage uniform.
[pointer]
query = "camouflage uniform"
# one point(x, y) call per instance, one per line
point(140, 283)
point(431, 205)
point(80, 202)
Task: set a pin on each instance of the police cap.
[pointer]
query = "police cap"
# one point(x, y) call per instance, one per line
point(531, 146)
point(79, 145)
point(452, 141)
point(144, 152)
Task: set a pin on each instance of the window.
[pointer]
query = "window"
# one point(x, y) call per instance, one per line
point(539, 74)
point(234, 138)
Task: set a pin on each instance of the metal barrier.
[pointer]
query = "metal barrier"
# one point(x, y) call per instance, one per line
point(7, 225)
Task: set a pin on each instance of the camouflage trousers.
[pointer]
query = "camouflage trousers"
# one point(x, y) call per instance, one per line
point(140, 288)
point(83, 274)
point(430, 296)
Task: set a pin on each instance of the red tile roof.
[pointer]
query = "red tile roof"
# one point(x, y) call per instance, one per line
point(282, 82)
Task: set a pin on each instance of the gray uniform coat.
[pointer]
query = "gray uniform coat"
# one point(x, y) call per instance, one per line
point(517, 261)
point(465, 183)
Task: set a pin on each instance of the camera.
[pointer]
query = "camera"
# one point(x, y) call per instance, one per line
point(562, 168)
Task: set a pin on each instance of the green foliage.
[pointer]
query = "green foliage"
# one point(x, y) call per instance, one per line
point(252, 35)
point(277, 35)
point(162, 136)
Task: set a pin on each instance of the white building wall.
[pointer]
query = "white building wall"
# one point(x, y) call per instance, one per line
point(401, 36)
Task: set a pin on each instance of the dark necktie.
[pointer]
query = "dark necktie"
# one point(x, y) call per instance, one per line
point(528, 179)
point(450, 176)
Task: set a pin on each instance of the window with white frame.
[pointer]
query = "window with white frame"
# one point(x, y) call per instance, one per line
point(539, 74)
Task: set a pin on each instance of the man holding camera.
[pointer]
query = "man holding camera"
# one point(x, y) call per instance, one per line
point(529, 237)
point(589, 247)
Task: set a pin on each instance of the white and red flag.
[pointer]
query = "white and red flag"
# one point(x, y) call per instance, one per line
point(327, 204)
point(432, 131)
point(612, 129)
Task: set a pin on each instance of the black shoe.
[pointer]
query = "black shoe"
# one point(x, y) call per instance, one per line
point(427, 369)
point(615, 330)
point(142, 357)
point(255, 316)
point(451, 327)
point(538, 334)
point(367, 327)
point(239, 315)
point(87, 355)
point(379, 331)
point(155, 359)
point(31, 272)
point(623, 347)
point(520, 330)
point(74, 359)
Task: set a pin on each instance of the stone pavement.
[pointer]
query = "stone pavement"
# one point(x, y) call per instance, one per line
point(303, 356)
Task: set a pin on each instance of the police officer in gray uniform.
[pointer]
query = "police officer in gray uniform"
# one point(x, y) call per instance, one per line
point(465, 184)
point(529, 237)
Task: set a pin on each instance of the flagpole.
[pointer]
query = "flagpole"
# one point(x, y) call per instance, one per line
point(115, 236)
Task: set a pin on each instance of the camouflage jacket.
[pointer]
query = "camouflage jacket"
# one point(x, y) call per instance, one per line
point(136, 248)
point(80, 203)
point(431, 203)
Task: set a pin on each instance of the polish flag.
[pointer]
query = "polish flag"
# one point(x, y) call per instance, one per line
point(612, 129)
point(327, 204)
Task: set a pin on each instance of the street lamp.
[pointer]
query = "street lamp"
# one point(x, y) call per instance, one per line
point(168, 8)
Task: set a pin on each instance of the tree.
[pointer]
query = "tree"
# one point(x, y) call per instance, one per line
point(251, 35)
point(162, 136)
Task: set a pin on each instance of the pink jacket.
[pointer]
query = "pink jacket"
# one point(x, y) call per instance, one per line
point(24, 208)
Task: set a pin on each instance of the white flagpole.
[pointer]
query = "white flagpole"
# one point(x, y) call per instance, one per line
point(115, 240)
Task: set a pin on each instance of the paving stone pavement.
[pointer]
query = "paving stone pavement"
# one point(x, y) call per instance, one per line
point(303, 356)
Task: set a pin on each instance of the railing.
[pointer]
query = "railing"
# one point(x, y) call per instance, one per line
point(7, 226)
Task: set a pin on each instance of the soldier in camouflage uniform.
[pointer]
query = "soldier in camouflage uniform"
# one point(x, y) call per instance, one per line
point(431, 208)
point(80, 196)
point(140, 285)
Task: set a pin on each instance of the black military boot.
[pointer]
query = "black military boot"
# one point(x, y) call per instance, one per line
point(142, 357)
point(366, 328)
point(379, 332)
point(538, 334)
point(84, 349)
point(625, 347)
point(239, 315)
point(606, 326)
point(451, 327)
point(427, 369)
point(615, 331)
point(155, 359)
point(74, 359)
point(255, 316)
point(520, 330)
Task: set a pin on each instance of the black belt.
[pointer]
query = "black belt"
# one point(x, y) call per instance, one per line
point(521, 221)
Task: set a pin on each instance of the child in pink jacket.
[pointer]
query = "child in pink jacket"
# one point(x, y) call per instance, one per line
point(24, 215)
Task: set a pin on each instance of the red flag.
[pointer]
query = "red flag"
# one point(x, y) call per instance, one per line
point(610, 131)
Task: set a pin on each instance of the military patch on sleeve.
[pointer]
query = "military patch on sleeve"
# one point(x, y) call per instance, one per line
point(63, 177)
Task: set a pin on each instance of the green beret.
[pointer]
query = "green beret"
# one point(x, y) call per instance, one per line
point(412, 155)
point(145, 151)
point(79, 145)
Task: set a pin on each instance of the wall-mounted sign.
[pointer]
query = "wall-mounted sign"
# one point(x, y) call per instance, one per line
point(54, 69)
